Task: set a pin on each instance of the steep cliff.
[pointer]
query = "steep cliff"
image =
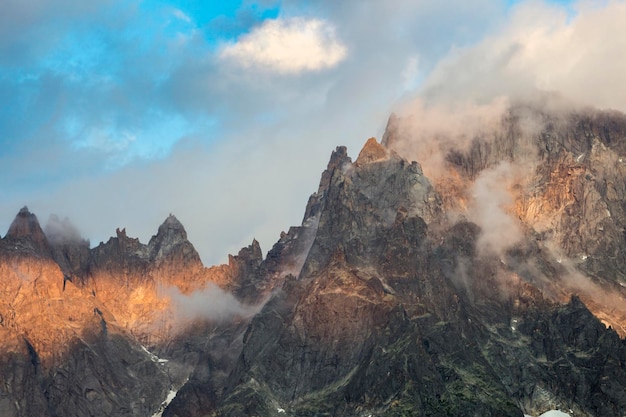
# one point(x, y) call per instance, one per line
point(485, 280)
point(62, 350)
point(73, 319)
point(460, 296)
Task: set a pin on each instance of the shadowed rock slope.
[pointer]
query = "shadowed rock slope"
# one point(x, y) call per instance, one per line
point(486, 283)
point(402, 307)
point(73, 319)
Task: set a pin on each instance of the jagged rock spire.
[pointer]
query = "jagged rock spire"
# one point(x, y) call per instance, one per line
point(170, 234)
point(372, 151)
point(391, 131)
point(172, 228)
point(26, 229)
point(338, 160)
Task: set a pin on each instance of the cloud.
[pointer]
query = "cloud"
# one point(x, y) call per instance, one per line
point(61, 231)
point(179, 14)
point(428, 132)
point(288, 46)
point(233, 151)
point(211, 303)
point(492, 209)
point(544, 48)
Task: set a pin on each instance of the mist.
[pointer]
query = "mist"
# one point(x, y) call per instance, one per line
point(61, 231)
point(492, 210)
point(427, 133)
point(234, 151)
point(541, 48)
point(210, 303)
point(161, 121)
point(544, 57)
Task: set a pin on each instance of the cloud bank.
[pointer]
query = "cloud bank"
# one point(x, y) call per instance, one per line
point(123, 112)
point(541, 48)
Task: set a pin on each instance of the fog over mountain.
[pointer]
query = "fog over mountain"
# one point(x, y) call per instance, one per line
point(178, 119)
point(169, 248)
point(494, 285)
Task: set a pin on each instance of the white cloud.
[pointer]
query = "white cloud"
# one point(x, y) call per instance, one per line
point(288, 46)
point(211, 303)
point(179, 14)
point(491, 209)
point(542, 48)
point(260, 142)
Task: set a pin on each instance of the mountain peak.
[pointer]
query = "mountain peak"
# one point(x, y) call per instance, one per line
point(252, 252)
point(172, 227)
point(338, 159)
point(171, 220)
point(171, 233)
point(389, 137)
point(26, 228)
point(372, 151)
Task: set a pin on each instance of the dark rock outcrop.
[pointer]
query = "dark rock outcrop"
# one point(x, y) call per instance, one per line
point(398, 311)
point(72, 319)
point(25, 234)
point(398, 295)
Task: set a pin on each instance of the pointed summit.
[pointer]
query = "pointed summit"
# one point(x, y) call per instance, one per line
point(338, 159)
point(26, 230)
point(172, 227)
point(171, 233)
point(372, 151)
point(391, 131)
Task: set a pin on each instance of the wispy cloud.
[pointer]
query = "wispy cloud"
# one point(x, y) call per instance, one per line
point(234, 142)
point(542, 47)
point(210, 303)
point(181, 15)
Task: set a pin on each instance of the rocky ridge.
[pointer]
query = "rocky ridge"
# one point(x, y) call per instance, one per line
point(401, 308)
point(397, 295)
point(73, 319)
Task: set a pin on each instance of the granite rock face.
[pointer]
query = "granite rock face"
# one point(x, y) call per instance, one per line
point(62, 352)
point(73, 319)
point(25, 234)
point(401, 307)
point(489, 284)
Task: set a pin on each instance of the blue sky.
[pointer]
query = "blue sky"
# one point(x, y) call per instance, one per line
point(118, 112)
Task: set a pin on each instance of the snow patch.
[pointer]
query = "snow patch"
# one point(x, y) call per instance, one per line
point(170, 396)
point(555, 413)
point(551, 413)
point(154, 357)
point(168, 399)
